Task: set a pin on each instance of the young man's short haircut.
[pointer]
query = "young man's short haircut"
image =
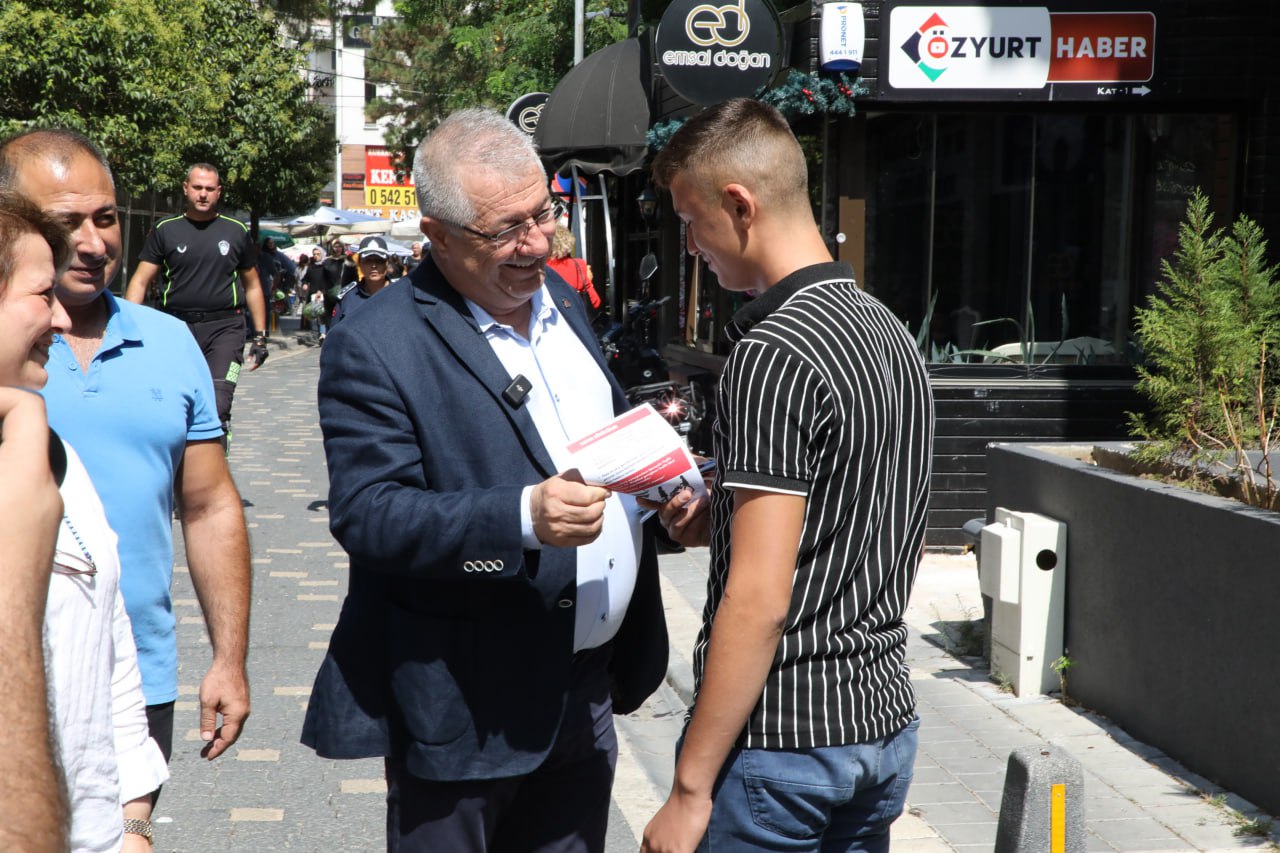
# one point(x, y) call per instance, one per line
point(741, 140)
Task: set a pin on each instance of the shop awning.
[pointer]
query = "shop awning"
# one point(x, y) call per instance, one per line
point(598, 115)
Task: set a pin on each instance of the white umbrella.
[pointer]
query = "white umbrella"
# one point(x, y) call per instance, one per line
point(332, 221)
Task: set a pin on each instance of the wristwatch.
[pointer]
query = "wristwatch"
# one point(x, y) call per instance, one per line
point(137, 826)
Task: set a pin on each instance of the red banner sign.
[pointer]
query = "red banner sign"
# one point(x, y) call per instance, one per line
point(1102, 47)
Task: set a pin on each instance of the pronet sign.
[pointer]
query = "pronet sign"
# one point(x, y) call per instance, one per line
point(986, 47)
point(710, 52)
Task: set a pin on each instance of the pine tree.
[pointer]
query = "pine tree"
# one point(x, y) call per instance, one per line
point(1211, 336)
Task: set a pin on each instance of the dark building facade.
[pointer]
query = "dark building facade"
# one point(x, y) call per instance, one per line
point(1009, 186)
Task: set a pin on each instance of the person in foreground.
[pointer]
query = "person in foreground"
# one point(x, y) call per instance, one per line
point(129, 388)
point(802, 735)
point(31, 782)
point(499, 609)
point(99, 716)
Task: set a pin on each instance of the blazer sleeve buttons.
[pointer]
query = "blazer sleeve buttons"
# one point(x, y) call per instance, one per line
point(482, 566)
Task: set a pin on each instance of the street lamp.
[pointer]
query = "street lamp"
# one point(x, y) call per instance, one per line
point(647, 201)
point(580, 17)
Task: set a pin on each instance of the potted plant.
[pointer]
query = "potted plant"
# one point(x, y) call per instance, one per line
point(1170, 589)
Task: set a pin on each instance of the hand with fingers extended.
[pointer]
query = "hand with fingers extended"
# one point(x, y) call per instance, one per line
point(566, 512)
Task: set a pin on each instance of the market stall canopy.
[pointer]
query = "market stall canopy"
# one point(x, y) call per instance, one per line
point(598, 116)
point(407, 229)
point(282, 239)
point(331, 221)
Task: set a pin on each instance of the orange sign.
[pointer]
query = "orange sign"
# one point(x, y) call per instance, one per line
point(384, 195)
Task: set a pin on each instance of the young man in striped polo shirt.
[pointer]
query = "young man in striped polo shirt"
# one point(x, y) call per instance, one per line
point(803, 731)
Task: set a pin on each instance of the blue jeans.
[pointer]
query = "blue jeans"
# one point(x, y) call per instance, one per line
point(833, 798)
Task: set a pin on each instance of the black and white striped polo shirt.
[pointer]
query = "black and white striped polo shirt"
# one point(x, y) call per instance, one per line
point(824, 395)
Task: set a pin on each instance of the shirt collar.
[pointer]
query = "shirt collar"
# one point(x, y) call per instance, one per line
point(121, 327)
point(775, 297)
point(542, 310)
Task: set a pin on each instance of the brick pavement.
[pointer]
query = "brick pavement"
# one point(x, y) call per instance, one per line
point(1137, 798)
point(269, 793)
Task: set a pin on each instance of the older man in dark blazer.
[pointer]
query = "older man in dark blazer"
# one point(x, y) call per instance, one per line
point(499, 609)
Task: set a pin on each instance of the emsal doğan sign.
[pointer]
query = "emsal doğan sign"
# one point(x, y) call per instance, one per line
point(712, 51)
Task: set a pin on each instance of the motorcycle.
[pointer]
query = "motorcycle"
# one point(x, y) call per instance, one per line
point(631, 353)
point(628, 347)
point(683, 406)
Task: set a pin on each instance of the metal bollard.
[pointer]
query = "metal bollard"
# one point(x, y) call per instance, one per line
point(1042, 810)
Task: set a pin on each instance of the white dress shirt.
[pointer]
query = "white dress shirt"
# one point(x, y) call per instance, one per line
point(100, 718)
point(570, 397)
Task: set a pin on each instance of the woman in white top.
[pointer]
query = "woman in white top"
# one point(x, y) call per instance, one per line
point(110, 762)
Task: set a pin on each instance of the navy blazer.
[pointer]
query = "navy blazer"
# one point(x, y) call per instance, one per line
point(454, 645)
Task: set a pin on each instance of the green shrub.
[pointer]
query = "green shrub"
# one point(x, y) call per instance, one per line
point(1211, 338)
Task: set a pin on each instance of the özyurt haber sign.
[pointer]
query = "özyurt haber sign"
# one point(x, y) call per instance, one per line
point(985, 47)
point(710, 52)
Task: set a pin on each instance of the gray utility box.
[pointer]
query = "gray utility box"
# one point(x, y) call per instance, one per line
point(1024, 571)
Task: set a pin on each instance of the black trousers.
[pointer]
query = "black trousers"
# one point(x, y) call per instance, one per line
point(222, 342)
point(562, 807)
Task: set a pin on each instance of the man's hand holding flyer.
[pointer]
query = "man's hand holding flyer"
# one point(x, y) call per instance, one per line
point(637, 453)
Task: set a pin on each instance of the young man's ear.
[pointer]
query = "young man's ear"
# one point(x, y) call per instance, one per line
point(741, 203)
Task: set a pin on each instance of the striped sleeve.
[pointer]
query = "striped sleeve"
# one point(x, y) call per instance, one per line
point(775, 403)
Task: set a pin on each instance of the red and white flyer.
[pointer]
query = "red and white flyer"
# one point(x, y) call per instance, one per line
point(637, 453)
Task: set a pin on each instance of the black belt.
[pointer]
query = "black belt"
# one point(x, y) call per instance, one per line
point(203, 316)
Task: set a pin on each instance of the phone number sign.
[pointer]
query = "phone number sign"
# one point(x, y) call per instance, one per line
point(390, 197)
point(384, 192)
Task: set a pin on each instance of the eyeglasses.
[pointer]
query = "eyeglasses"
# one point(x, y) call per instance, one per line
point(68, 563)
point(516, 233)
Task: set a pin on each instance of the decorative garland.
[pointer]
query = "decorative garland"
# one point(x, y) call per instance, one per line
point(801, 94)
point(807, 94)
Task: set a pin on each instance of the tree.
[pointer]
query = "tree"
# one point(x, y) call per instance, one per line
point(163, 83)
point(1211, 337)
point(440, 57)
point(274, 146)
point(112, 70)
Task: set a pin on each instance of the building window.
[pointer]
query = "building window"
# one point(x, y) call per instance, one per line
point(1010, 238)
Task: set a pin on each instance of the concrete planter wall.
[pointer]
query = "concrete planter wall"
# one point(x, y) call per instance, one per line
point(1171, 611)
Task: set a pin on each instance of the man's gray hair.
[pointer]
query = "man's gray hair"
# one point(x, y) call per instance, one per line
point(470, 140)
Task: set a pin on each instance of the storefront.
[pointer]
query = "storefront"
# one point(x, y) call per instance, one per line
point(1009, 186)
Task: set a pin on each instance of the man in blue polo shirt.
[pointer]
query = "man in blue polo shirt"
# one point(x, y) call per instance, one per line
point(129, 388)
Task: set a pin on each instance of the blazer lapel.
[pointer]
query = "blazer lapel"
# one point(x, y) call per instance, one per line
point(444, 310)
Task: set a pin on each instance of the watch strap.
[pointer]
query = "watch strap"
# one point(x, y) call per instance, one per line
point(137, 826)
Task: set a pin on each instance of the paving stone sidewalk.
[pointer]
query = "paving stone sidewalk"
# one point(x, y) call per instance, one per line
point(269, 793)
point(1137, 798)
